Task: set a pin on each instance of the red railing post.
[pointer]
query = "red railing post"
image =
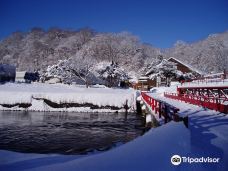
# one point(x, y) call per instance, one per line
point(196, 96)
point(156, 106)
point(152, 104)
point(160, 110)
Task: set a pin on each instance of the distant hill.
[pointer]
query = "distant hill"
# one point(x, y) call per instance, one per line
point(208, 55)
point(38, 48)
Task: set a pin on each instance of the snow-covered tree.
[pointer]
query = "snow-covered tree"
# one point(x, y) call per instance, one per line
point(165, 69)
point(39, 48)
point(111, 73)
point(82, 67)
point(208, 55)
point(83, 71)
point(71, 70)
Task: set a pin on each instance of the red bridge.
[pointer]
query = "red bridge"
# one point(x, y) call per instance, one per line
point(167, 111)
point(215, 98)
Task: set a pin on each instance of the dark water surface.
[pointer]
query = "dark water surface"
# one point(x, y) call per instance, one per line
point(66, 133)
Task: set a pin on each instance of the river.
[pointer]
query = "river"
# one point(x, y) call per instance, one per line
point(67, 133)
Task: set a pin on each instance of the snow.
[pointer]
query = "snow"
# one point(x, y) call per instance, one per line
point(206, 136)
point(143, 78)
point(135, 155)
point(133, 77)
point(139, 98)
point(148, 118)
point(160, 90)
point(60, 93)
point(164, 68)
point(106, 70)
point(188, 66)
point(143, 107)
point(153, 76)
point(158, 93)
point(214, 74)
point(20, 75)
point(206, 83)
point(53, 81)
point(174, 83)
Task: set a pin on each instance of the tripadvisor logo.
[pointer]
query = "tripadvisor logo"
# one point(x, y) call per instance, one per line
point(176, 160)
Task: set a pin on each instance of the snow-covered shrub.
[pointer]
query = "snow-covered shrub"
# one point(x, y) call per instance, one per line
point(111, 73)
point(67, 72)
point(165, 69)
point(72, 71)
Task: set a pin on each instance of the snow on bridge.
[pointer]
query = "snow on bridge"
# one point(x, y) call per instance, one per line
point(213, 97)
point(206, 136)
point(206, 83)
point(208, 127)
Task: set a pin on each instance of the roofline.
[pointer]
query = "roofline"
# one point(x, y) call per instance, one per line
point(188, 66)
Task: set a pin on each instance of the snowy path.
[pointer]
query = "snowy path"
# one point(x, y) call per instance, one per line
point(208, 127)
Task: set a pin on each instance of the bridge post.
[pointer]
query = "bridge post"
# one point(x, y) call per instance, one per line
point(160, 110)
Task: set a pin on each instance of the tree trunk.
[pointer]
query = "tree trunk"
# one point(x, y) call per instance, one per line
point(87, 84)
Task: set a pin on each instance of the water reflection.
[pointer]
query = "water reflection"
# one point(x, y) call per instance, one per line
point(66, 133)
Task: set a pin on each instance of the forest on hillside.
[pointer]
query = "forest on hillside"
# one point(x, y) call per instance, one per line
point(39, 48)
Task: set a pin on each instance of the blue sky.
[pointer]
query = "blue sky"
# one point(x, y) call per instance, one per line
point(158, 22)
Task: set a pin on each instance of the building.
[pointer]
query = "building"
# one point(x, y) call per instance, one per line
point(144, 83)
point(7, 73)
point(150, 80)
point(184, 68)
point(20, 76)
point(221, 75)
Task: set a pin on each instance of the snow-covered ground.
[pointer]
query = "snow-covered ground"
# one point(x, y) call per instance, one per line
point(206, 136)
point(34, 94)
point(159, 91)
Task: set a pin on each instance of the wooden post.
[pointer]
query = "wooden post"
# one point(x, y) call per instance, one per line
point(159, 110)
point(165, 113)
point(155, 106)
point(126, 107)
point(152, 104)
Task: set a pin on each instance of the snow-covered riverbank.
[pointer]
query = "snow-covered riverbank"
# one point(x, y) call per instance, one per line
point(205, 137)
point(59, 97)
point(153, 150)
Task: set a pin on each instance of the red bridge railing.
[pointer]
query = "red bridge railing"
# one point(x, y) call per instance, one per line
point(215, 98)
point(161, 108)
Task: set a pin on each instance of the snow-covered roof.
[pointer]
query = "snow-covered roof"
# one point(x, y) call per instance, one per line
point(133, 80)
point(143, 80)
point(143, 77)
point(214, 74)
point(20, 74)
point(153, 76)
point(188, 66)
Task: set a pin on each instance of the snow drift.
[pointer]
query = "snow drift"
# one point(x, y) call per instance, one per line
point(59, 97)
